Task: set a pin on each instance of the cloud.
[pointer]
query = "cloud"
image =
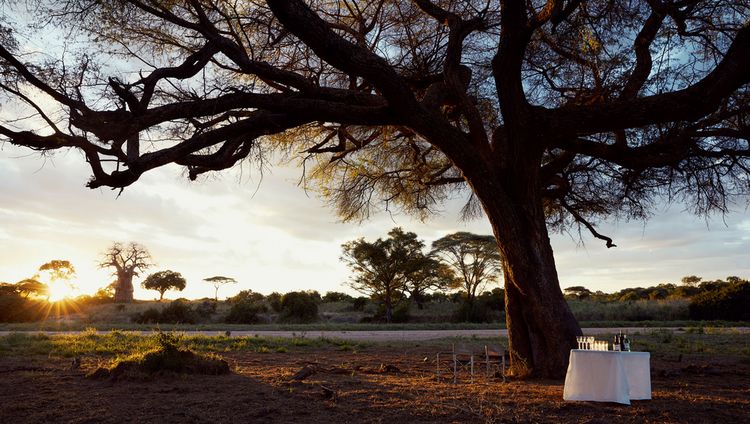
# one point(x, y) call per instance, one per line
point(275, 237)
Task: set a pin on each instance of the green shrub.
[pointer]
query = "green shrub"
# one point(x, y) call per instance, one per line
point(299, 307)
point(274, 300)
point(731, 302)
point(246, 312)
point(359, 303)
point(206, 308)
point(337, 297)
point(247, 296)
point(15, 308)
point(177, 312)
point(476, 312)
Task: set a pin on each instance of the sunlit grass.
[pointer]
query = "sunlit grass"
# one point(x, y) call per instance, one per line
point(123, 343)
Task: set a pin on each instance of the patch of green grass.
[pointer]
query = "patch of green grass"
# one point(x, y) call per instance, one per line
point(123, 343)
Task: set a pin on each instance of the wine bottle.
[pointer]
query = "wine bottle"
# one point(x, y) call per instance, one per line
point(626, 343)
point(616, 343)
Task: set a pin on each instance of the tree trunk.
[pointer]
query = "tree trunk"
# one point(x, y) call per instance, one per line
point(124, 288)
point(541, 327)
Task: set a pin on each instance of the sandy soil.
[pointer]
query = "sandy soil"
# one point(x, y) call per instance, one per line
point(379, 384)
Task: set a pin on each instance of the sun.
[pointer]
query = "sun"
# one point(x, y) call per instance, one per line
point(60, 291)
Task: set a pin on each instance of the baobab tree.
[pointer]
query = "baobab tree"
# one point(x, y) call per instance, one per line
point(545, 114)
point(128, 261)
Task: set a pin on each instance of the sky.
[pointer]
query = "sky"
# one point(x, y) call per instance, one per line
point(272, 236)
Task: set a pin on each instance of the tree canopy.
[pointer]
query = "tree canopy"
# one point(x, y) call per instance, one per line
point(164, 280)
point(389, 269)
point(543, 113)
point(474, 258)
point(218, 281)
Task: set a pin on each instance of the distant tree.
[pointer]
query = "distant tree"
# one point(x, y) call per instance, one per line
point(128, 261)
point(164, 280)
point(691, 280)
point(734, 279)
point(475, 259)
point(429, 274)
point(59, 269)
point(728, 302)
point(381, 268)
point(299, 307)
point(333, 296)
point(577, 292)
point(31, 286)
point(274, 300)
point(60, 273)
point(247, 296)
point(218, 281)
point(106, 293)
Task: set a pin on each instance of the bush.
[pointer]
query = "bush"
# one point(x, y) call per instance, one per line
point(494, 300)
point(247, 295)
point(476, 312)
point(274, 300)
point(177, 312)
point(728, 303)
point(358, 304)
point(299, 307)
point(206, 308)
point(15, 308)
point(246, 312)
point(337, 297)
point(401, 313)
point(639, 310)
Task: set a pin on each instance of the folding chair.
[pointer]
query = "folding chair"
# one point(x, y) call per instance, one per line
point(459, 358)
point(495, 360)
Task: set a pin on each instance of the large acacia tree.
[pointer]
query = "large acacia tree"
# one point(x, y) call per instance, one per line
point(549, 112)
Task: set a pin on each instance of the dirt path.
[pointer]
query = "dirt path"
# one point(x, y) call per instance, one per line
point(402, 335)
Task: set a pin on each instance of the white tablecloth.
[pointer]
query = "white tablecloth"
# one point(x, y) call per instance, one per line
point(608, 376)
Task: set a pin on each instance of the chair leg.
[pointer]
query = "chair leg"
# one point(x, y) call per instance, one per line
point(437, 366)
point(455, 369)
point(472, 369)
point(503, 369)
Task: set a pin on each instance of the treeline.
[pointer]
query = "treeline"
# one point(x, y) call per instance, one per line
point(25, 302)
point(297, 307)
point(727, 299)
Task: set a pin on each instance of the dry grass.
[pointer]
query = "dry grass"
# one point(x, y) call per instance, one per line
point(394, 382)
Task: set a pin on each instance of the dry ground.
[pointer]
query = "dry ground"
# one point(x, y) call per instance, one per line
point(47, 390)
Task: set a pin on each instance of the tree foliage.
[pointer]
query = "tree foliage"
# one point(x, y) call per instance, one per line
point(388, 269)
point(218, 281)
point(58, 269)
point(31, 286)
point(164, 280)
point(474, 258)
point(541, 113)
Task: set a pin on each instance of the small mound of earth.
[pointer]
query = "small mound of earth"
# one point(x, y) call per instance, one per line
point(163, 361)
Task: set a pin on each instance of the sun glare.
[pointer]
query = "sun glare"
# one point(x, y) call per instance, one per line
point(60, 291)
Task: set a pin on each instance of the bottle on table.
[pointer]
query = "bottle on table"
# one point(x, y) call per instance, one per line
point(616, 343)
point(626, 343)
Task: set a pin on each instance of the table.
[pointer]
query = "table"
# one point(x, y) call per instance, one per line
point(608, 376)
